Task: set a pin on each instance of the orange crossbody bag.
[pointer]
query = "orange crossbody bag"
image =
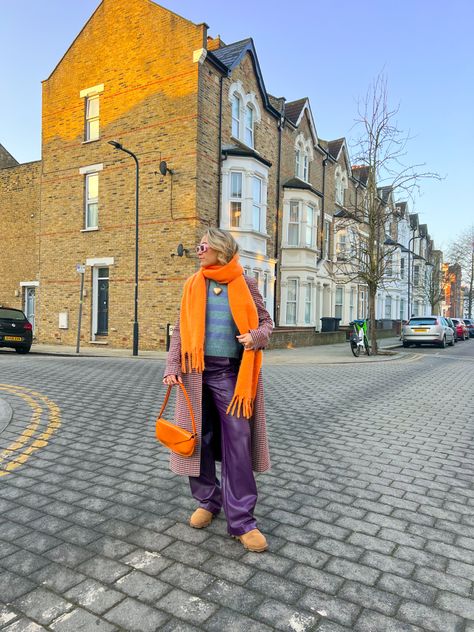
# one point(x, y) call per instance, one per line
point(178, 440)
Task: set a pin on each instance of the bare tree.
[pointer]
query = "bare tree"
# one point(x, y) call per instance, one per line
point(380, 150)
point(434, 284)
point(461, 251)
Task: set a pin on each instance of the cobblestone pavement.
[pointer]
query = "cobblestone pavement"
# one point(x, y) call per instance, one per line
point(369, 506)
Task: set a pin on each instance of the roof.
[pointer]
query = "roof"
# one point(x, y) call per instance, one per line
point(334, 147)
point(6, 159)
point(361, 173)
point(231, 55)
point(293, 110)
point(385, 192)
point(296, 183)
point(277, 102)
point(242, 150)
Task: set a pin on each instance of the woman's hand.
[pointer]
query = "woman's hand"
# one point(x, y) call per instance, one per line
point(170, 380)
point(246, 340)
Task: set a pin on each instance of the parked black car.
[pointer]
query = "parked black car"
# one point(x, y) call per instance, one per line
point(16, 331)
point(469, 322)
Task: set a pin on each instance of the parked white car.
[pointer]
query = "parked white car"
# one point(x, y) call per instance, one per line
point(433, 330)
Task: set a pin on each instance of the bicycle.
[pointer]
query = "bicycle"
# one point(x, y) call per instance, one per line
point(358, 339)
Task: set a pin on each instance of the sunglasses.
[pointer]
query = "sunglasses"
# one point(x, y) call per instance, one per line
point(202, 248)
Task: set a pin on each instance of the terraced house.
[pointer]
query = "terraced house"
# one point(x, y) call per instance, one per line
point(214, 148)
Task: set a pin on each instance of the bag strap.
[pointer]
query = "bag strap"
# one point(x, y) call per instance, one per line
point(188, 402)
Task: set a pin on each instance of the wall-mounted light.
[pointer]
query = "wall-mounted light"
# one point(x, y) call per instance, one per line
point(181, 251)
point(164, 169)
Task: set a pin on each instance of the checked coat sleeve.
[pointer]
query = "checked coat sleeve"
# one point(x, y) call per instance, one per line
point(261, 335)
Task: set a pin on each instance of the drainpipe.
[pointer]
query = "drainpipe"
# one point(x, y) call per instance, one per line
point(321, 232)
point(277, 231)
point(219, 155)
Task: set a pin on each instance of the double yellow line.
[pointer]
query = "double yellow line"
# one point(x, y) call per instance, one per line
point(20, 450)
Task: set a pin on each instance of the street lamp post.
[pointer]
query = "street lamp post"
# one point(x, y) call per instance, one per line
point(119, 146)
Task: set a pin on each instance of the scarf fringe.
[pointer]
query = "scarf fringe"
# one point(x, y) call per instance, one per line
point(193, 361)
point(241, 406)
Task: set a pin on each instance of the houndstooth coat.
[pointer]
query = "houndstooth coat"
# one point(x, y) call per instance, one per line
point(190, 466)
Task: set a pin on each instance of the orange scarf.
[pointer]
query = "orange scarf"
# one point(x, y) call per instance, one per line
point(245, 315)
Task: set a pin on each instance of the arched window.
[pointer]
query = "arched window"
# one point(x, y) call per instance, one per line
point(236, 115)
point(303, 155)
point(249, 124)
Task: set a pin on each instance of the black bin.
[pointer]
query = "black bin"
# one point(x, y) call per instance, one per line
point(328, 323)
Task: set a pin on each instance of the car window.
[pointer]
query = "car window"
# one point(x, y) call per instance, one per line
point(11, 314)
point(456, 322)
point(422, 321)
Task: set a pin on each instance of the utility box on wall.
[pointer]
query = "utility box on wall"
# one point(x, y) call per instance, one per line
point(63, 320)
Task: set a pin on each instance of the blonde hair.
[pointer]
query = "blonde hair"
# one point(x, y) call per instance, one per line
point(223, 243)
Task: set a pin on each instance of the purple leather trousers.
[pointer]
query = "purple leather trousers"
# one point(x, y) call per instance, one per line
point(238, 493)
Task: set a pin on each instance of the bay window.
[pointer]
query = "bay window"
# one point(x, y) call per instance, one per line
point(294, 224)
point(291, 301)
point(235, 198)
point(256, 203)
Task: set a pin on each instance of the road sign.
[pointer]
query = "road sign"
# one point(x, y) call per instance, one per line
point(80, 268)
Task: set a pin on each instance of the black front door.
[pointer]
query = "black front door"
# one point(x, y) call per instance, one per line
point(103, 302)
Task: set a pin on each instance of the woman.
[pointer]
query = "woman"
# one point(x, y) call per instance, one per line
point(216, 352)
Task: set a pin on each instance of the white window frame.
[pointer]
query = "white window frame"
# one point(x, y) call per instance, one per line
point(89, 120)
point(303, 155)
point(295, 283)
point(246, 100)
point(236, 121)
point(308, 303)
point(339, 302)
point(233, 199)
point(249, 167)
point(297, 223)
point(327, 238)
point(311, 227)
point(88, 201)
point(416, 276)
point(351, 304)
point(249, 131)
point(388, 307)
point(257, 204)
point(266, 283)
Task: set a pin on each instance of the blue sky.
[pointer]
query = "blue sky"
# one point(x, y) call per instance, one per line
point(328, 51)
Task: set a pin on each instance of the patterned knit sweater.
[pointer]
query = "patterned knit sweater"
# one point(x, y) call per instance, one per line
point(221, 331)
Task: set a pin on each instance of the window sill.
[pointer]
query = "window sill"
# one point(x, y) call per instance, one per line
point(97, 342)
point(243, 143)
point(93, 140)
point(252, 231)
point(89, 230)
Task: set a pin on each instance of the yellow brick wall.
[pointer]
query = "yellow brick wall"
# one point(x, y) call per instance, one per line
point(143, 55)
point(20, 205)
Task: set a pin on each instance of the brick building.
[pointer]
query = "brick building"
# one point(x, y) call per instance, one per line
point(235, 155)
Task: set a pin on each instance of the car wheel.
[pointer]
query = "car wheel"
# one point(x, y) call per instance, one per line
point(451, 344)
point(22, 349)
point(442, 344)
point(406, 344)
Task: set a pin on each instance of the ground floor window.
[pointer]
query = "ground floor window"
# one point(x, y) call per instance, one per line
point(388, 307)
point(351, 305)
point(339, 302)
point(291, 301)
point(402, 309)
point(308, 303)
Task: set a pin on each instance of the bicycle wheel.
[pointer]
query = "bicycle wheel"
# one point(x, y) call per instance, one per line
point(366, 346)
point(355, 349)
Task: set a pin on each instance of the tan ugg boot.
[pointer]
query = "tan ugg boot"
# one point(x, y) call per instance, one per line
point(201, 518)
point(253, 540)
